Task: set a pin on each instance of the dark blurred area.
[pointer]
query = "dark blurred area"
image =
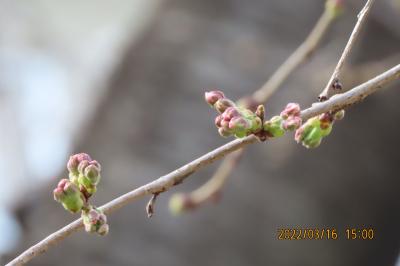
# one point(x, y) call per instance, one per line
point(153, 119)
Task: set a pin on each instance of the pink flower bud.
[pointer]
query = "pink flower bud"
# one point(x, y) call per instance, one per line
point(82, 165)
point(222, 104)
point(95, 220)
point(299, 134)
point(74, 161)
point(230, 113)
point(218, 120)
point(69, 195)
point(291, 109)
point(238, 123)
point(225, 124)
point(213, 96)
point(291, 123)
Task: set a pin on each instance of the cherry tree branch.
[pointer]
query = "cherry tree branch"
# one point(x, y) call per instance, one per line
point(209, 190)
point(331, 88)
point(177, 176)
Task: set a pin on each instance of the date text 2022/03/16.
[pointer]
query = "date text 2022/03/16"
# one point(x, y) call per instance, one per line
point(325, 234)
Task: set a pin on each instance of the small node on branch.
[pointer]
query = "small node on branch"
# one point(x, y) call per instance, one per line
point(336, 85)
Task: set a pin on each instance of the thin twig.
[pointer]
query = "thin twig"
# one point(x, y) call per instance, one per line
point(330, 88)
point(213, 186)
point(300, 55)
point(176, 177)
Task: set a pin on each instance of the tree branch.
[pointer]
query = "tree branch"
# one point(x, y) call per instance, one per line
point(209, 189)
point(176, 177)
point(330, 88)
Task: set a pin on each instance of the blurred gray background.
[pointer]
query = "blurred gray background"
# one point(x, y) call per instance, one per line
point(124, 82)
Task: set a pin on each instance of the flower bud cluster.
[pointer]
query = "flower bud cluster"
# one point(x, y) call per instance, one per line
point(95, 221)
point(84, 172)
point(233, 120)
point(74, 193)
point(311, 133)
point(288, 120)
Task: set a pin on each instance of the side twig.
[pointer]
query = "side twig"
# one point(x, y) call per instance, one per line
point(178, 176)
point(333, 86)
point(301, 54)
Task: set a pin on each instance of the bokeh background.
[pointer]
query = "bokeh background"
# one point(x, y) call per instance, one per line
point(124, 82)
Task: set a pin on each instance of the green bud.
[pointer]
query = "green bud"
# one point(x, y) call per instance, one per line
point(339, 115)
point(93, 174)
point(68, 194)
point(313, 138)
point(260, 112)
point(274, 126)
point(224, 132)
point(256, 124)
point(240, 134)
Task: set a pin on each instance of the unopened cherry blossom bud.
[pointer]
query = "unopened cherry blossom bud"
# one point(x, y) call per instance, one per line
point(256, 124)
point(68, 194)
point(224, 132)
point(313, 138)
point(260, 112)
point(291, 109)
point(95, 221)
point(339, 115)
point(274, 126)
point(222, 104)
point(73, 163)
point(103, 230)
point(310, 134)
point(92, 172)
point(292, 123)
point(218, 120)
point(230, 113)
point(213, 96)
point(82, 165)
point(238, 124)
